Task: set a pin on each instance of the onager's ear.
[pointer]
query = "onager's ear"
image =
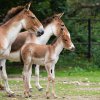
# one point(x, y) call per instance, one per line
point(59, 15)
point(27, 6)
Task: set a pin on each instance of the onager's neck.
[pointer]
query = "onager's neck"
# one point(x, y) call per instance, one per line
point(58, 46)
point(13, 27)
point(13, 30)
point(49, 31)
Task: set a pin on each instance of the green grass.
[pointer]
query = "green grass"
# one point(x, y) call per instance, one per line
point(65, 85)
point(71, 82)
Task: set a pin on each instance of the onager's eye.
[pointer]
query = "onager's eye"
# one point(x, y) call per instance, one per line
point(62, 25)
point(32, 17)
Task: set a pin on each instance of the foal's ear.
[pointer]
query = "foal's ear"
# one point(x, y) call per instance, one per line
point(27, 6)
point(60, 15)
point(62, 29)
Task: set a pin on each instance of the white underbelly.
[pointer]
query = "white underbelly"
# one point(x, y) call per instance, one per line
point(39, 61)
point(15, 56)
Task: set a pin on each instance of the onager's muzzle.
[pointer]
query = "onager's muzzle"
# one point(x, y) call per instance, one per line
point(40, 31)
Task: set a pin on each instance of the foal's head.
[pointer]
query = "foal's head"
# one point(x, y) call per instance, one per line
point(28, 20)
point(66, 39)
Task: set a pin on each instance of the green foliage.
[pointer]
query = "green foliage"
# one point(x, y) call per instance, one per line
point(77, 28)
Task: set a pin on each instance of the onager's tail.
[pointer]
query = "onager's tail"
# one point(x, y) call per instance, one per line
point(21, 57)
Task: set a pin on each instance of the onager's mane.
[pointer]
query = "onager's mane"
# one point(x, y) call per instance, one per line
point(12, 12)
point(46, 21)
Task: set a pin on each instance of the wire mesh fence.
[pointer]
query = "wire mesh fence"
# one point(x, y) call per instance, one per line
point(85, 34)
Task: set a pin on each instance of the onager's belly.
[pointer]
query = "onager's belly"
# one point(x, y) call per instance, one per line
point(14, 56)
point(39, 61)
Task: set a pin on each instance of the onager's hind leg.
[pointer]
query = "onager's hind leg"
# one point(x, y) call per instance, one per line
point(48, 69)
point(26, 75)
point(4, 77)
point(1, 84)
point(39, 87)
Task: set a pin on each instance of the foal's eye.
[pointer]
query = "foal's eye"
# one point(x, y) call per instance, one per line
point(65, 40)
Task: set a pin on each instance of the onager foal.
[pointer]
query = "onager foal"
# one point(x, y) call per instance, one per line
point(17, 18)
point(47, 55)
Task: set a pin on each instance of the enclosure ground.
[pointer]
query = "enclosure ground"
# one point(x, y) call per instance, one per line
point(67, 88)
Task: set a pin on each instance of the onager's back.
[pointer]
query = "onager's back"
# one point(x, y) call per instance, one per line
point(47, 55)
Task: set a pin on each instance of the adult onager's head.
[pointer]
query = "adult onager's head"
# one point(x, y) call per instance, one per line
point(28, 20)
point(54, 22)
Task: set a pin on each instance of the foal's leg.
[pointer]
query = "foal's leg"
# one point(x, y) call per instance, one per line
point(48, 69)
point(4, 76)
point(26, 75)
point(30, 74)
point(37, 78)
point(53, 80)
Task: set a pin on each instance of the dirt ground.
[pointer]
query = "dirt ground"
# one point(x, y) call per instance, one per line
point(16, 85)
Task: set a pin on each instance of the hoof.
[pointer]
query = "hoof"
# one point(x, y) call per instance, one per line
point(41, 89)
point(54, 95)
point(11, 95)
point(47, 97)
point(27, 95)
point(30, 89)
point(1, 87)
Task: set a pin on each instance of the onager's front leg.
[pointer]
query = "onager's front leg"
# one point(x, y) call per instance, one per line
point(1, 86)
point(4, 77)
point(26, 75)
point(51, 78)
point(39, 87)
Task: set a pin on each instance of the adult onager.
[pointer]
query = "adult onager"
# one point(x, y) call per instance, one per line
point(47, 55)
point(52, 27)
point(17, 18)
